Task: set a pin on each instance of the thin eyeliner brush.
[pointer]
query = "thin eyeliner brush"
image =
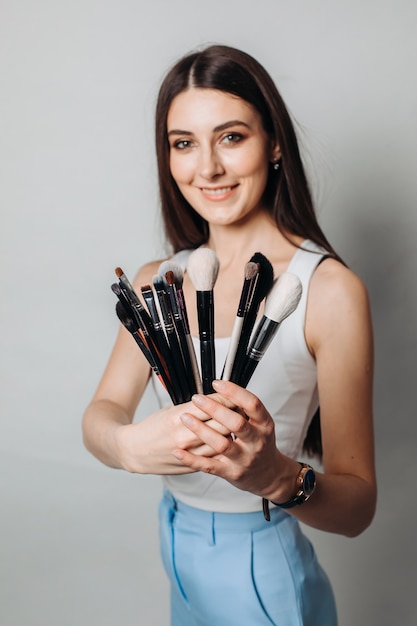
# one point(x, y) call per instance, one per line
point(251, 276)
point(134, 312)
point(161, 340)
point(130, 325)
point(172, 337)
point(178, 273)
point(203, 268)
point(263, 285)
point(137, 305)
point(281, 301)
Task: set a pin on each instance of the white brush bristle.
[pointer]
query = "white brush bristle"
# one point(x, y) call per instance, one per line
point(170, 266)
point(203, 268)
point(283, 298)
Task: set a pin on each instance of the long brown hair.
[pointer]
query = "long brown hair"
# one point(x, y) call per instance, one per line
point(287, 193)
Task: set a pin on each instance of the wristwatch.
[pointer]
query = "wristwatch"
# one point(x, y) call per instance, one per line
point(306, 484)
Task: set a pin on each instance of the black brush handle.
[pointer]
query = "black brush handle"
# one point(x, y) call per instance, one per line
point(180, 327)
point(205, 312)
point(240, 356)
point(174, 345)
point(263, 336)
point(162, 344)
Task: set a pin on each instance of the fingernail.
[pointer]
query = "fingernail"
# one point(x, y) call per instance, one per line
point(218, 384)
point(198, 399)
point(178, 455)
point(186, 419)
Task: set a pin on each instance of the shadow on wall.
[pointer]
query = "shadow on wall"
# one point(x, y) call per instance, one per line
point(381, 249)
point(383, 242)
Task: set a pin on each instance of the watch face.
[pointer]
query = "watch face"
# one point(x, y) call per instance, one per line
point(309, 482)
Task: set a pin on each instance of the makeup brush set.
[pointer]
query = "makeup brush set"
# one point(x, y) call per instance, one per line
point(162, 332)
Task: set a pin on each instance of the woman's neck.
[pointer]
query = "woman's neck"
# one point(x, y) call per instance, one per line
point(235, 244)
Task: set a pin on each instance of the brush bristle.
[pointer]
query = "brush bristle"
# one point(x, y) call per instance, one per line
point(170, 266)
point(266, 275)
point(170, 277)
point(251, 269)
point(203, 268)
point(283, 298)
point(125, 318)
point(119, 272)
point(158, 282)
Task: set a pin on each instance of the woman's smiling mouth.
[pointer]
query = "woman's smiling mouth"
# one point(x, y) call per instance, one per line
point(218, 192)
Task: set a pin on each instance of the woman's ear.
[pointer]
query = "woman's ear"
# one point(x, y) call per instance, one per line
point(275, 154)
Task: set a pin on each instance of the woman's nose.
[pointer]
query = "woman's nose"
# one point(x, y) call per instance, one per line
point(210, 164)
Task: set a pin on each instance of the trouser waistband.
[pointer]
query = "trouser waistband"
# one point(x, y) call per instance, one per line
point(192, 517)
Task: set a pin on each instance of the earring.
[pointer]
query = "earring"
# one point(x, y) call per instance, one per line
point(275, 165)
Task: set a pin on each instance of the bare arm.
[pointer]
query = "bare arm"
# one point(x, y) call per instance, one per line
point(338, 332)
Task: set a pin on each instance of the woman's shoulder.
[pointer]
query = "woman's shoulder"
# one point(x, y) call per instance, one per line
point(332, 280)
point(337, 300)
point(146, 272)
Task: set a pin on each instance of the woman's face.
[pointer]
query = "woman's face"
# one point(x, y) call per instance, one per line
point(219, 154)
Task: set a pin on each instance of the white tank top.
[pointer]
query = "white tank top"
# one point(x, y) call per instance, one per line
point(286, 382)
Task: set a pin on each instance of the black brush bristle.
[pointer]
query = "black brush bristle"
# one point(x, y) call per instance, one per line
point(266, 275)
point(262, 287)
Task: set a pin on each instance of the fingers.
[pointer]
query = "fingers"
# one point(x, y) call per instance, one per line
point(231, 419)
point(199, 463)
point(246, 407)
point(240, 397)
point(220, 443)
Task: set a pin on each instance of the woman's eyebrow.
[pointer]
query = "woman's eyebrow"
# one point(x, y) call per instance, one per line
point(216, 129)
point(229, 124)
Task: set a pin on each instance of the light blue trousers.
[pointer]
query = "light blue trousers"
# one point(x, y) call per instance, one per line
point(236, 569)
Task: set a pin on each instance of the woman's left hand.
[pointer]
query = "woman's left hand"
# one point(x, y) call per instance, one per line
point(249, 459)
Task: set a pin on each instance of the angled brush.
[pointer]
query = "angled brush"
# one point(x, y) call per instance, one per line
point(263, 284)
point(251, 276)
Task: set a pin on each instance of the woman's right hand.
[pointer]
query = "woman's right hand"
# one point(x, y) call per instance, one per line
point(147, 447)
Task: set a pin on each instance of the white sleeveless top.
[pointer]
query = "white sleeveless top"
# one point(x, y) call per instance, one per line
point(286, 382)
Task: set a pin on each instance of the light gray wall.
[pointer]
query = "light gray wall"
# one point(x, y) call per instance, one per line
point(78, 542)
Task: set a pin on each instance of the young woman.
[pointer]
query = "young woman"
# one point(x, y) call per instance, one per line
point(231, 179)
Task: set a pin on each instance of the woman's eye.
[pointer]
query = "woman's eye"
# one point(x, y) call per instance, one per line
point(232, 138)
point(182, 144)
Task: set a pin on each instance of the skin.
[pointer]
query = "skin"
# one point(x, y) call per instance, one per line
point(219, 157)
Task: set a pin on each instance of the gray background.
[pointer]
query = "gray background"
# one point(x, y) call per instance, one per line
point(78, 80)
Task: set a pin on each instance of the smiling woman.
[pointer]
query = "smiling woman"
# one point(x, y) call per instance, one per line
point(221, 168)
point(232, 180)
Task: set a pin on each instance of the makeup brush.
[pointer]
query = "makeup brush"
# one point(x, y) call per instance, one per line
point(178, 275)
point(161, 340)
point(281, 301)
point(180, 327)
point(171, 333)
point(263, 284)
point(138, 313)
point(251, 276)
point(126, 304)
point(134, 300)
point(203, 268)
point(147, 333)
point(130, 325)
